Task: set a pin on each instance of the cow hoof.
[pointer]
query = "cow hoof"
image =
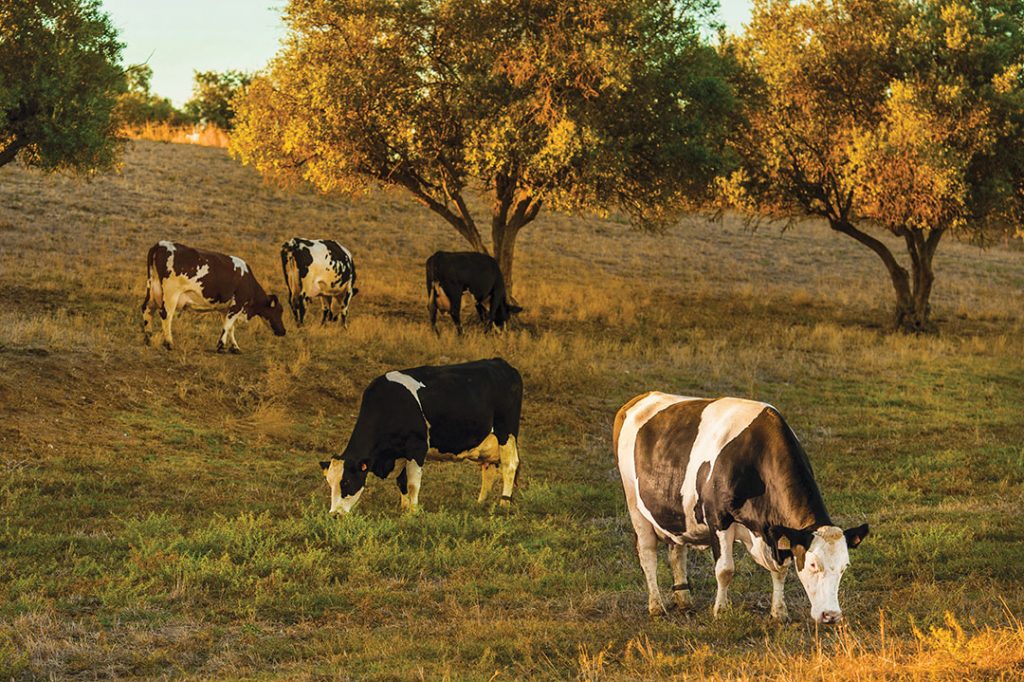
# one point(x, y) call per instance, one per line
point(682, 599)
point(657, 611)
point(220, 347)
point(780, 615)
point(168, 345)
point(147, 339)
point(235, 350)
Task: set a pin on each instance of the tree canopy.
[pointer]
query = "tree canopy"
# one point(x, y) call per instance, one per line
point(576, 104)
point(60, 77)
point(903, 114)
point(213, 94)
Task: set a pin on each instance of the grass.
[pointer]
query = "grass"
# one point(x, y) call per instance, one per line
point(163, 514)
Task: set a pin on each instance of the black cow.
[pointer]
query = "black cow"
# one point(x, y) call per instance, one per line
point(714, 472)
point(181, 277)
point(450, 413)
point(318, 268)
point(451, 273)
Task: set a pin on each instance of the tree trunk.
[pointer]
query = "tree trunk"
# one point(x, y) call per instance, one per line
point(504, 252)
point(505, 227)
point(10, 152)
point(913, 289)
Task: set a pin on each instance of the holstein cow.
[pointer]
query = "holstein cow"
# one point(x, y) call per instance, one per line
point(448, 414)
point(182, 277)
point(715, 472)
point(451, 273)
point(318, 268)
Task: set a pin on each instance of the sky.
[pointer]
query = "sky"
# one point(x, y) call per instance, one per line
point(180, 37)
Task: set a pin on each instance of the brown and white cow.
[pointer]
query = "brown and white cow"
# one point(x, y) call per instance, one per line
point(181, 277)
point(714, 472)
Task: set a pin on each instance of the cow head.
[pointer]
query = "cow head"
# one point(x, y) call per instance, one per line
point(271, 312)
point(504, 313)
point(821, 558)
point(346, 481)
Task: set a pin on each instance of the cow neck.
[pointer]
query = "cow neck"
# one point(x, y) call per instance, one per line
point(792, 497)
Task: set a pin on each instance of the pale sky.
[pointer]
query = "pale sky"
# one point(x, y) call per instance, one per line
point(177, 37)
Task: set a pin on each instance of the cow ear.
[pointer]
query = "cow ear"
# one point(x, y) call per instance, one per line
point(325, 465)
point(273, 301)
point(790, 540)
point(854, 536)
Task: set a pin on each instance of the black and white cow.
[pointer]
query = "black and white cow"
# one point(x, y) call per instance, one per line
point(715, 472)
point(468, 412)
point(450, 273)
point(318, 268)
point(181, 277)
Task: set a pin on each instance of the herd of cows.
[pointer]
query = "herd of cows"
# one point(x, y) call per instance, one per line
point(696, 472)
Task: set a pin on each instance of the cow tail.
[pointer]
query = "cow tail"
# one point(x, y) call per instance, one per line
point(154, 290)
point(430, 275)
point(291, 281)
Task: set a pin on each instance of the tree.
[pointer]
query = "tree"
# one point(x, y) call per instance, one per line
point(213, 93)
point(586, 104)
point(902, 114)
point(60, 77)
point(138, 105)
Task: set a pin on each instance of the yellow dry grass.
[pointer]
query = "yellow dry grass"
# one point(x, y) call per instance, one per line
point(204, 135)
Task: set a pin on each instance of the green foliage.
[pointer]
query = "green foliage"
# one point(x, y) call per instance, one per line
point(571, 104)
point(60, 77)
point(139, 105)
point(213, 94)
point(900, 113)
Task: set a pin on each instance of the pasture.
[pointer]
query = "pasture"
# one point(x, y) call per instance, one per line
point(164, 513)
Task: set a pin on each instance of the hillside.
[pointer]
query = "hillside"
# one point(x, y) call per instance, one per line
point(163, 513)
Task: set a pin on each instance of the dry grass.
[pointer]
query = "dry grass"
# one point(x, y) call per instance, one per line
point(163, 513)
point(204, 135)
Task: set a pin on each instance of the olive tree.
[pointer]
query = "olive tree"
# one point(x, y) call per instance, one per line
point(60, 77)
point(906, 115)
point(572, 104)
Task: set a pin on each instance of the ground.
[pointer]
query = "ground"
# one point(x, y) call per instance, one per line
point(163, 513)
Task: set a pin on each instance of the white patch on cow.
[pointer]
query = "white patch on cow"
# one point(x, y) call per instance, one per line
point(339, 503)
point(411, 384)
point(169, 246)
point(321, 279)
point(639, 414)
point(240, 264)
point(824, 564)
point(486, 452)
point(720, 422)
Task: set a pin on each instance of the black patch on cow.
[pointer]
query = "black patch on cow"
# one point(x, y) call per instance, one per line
point(762, 478)
point(456, 272)
point(702, 479)
point(661, 456)
point(462, 403)
point(403, 481)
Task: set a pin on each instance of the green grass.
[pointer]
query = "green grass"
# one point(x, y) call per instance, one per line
point(163, 514)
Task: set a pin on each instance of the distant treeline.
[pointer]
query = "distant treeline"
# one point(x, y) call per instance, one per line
point(212, 91)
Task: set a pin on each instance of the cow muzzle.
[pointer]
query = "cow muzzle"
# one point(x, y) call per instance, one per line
point(829, 617)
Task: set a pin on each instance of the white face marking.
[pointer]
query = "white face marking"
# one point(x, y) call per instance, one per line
point(240, 264)
point(334, 473)
point(826, 560)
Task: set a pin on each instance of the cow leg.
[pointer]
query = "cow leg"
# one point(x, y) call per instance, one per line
point(456, 311)
point(403, 486)
point(227, 336)
point(413, 473)
point(147, 315)
point(725, 567)
point(680, 584)
point(481, 311)
point(779, 610)
point(432, 309)
point(508, 458)
point(488, 475)
point(167, 318)
point(647, 551)
point(346, 300)
point(325, 302)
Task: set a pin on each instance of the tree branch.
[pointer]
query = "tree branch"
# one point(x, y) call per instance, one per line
point(11, 150)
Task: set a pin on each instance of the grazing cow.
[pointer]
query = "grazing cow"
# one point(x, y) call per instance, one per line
point(451, 273)
point(448, 414)
point(714, 472)
point(318, 268)
point(182, 277)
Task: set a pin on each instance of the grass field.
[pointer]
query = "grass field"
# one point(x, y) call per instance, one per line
point(164, 513)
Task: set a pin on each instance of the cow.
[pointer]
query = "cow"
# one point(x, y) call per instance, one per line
point(467, 412)
point(181, 277)
point(699, 472)
point(449, 273)
point(318, 268)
